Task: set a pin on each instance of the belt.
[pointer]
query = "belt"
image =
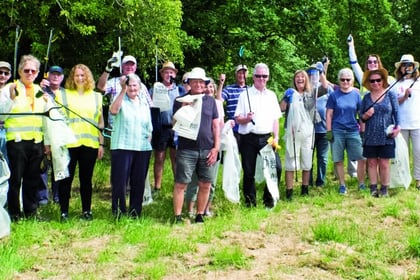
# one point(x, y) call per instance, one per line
point(259, 135)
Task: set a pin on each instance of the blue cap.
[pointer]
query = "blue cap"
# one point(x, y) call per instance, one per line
point(56, 68)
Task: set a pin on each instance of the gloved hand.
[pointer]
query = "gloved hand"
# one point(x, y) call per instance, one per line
point(288, 95)
point(320, 67)
point(109, 63)
point(329, 136)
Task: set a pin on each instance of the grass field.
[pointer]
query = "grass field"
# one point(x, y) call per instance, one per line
point(322, 236)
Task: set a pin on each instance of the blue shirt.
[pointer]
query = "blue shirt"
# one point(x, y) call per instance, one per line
point(345, 106)
point(132, 126)
point(231, 95)
point(386, 114)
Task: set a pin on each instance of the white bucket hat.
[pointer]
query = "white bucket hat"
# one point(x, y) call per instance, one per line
point(198, 73)
point(406, 58)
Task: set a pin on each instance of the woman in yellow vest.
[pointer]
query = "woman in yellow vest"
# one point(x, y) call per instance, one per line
point(81, 99)
point(24, 135)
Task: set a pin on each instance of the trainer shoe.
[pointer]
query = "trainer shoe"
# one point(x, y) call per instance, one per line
point(178, 220)
point(199, 218)
point(87, 216)
point(384, 191)
point(362, 187)
point(64, 218)
point(342, 190)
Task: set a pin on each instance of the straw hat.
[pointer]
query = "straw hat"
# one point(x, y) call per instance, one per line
point(381, 71)
point(168, 65)
point(406, 58)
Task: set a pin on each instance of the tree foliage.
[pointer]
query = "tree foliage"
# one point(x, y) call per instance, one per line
point(285, 34)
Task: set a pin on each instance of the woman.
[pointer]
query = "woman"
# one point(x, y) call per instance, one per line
point(299, 104)
point(343, 128)
point(85, 119)
point(408, 89)
point(373, 62)
point(379, 110)
point(24, 136)
point(130, 146)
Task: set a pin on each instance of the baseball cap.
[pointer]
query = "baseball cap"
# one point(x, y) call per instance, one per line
point(56, 68)
point(128, 58)
point(241, 67)
point(4, 64)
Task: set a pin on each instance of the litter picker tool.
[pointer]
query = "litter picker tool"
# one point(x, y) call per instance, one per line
point(241, 54)
point(17, 38)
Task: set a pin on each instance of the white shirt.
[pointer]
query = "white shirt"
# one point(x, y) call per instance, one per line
point(264, 105)
point(408, 110)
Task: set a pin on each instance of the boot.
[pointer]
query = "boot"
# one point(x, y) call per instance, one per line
point(289, 194)
point(374, 190)
point(304, 190)
point(384, 190)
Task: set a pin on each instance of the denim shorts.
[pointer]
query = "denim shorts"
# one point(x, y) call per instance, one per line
point(188, 161)
point(348, 141)
point(385, 151)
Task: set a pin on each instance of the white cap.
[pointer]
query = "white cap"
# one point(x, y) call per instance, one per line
point(128, 58)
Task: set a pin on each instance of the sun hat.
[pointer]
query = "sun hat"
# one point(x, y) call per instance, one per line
point(56, 68)
point(4, 64)
point(198, 73)
point(406, 58)
point(168, 65)
point(381, 71)
point(129, 58)
point(241, 67)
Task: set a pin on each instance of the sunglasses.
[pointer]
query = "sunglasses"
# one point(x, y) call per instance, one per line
point(261, 76)
point(407, 64)
point(5, 73)
point(27, 71)
point(345, 80)
point(375, 81)
point(372, 62)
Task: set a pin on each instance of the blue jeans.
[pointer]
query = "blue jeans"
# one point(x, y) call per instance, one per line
point(321, 146)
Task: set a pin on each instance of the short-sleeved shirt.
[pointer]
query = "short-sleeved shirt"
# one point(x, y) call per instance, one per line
point(231, 95)
point(266, 109)
point(205, 140)
point(345, 108)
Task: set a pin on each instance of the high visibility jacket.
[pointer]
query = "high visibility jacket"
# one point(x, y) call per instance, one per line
point(89, 106)
point(25, 127)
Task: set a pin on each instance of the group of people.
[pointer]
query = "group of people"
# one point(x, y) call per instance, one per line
point(187, 120)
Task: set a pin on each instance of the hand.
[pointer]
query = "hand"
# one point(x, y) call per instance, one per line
point(329, 136)
point(350, 40)
point(222, 79)
point(109, 63)
point(288, 95)
point(320, 67)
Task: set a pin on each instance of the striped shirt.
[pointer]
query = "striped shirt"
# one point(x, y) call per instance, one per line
point(231, 95)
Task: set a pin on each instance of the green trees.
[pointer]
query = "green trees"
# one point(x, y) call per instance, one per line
point(287, 35)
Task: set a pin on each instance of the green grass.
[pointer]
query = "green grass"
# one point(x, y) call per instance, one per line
point(323, 236)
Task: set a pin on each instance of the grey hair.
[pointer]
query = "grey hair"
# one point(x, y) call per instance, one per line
point(134, 77)
point(347, 72)
point(261, 65)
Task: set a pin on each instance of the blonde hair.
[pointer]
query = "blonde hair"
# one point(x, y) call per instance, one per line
point(308, 86)
point(89, 81)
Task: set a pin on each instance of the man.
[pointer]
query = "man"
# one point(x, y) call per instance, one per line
point(257, 114)
point(51, 85)
point(163, 137)
point(5, 70)
point(231, 93)
point(198, 143)
point(112, 86)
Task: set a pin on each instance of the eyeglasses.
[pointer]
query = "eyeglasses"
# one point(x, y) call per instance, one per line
point(372, 62)
point(375, 81)
point(261, 76)
point(345, 80)
point(5, 73)
point(27, 71)
point(407, 64)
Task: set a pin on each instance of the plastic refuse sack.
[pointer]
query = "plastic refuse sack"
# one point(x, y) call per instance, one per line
point(400, 165)
point(231, 164)
point(4, 187)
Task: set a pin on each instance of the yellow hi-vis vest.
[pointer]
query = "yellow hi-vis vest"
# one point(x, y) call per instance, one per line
point(25, 127)
point(89, 106)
